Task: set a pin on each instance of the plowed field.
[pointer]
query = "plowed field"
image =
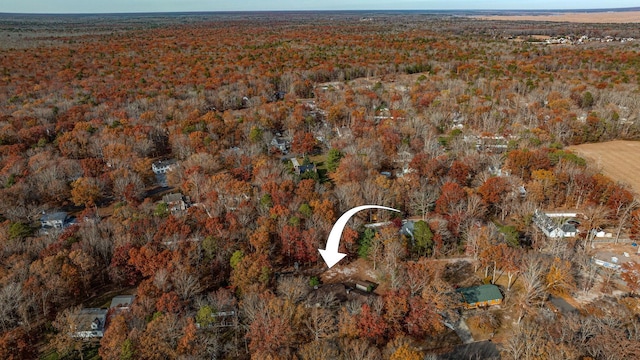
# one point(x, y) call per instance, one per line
point(620, 160)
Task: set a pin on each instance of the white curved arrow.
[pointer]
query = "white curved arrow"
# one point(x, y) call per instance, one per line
point(331, 255)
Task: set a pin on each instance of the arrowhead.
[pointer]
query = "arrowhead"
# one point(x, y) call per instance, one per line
point(330, 257)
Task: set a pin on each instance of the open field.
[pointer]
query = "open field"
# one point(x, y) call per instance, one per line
point(617, 159)
point(620, 17)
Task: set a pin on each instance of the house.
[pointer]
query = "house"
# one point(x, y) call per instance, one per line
point(163, 166)
point(408, 228)
point(551, 228)
point(481, 296)
point(225, 317)
point(280, 144)
point(301, 169)
point(55, 220)
point(160, 168)
point(89, 323)
point(404, 158)
point(176, 203)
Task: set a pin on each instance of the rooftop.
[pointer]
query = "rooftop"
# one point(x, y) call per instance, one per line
point(172, 198)
point(54, 216)
point(121, 301)
point(90, 323)
point(475, 294)
point(165, 162)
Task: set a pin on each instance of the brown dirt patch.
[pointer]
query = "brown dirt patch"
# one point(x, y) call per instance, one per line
point(360, 269)
point(616, 159)
point(619, 17)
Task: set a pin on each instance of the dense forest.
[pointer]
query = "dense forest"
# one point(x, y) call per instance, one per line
point(460, 124)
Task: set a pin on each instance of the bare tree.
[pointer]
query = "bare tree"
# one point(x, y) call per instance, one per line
point(525, 343)
point(359, 349)
point(186, 284)
point(533, 285)
point(422, 198)
point(293, 288)
point(596, 216)
point(624, 214)
point(11, 299)
point(321, 323)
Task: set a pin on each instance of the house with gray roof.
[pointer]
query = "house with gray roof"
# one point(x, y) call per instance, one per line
point(90, 322)
point(552, 228)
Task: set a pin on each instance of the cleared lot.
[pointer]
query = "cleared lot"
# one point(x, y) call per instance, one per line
point(620, 160)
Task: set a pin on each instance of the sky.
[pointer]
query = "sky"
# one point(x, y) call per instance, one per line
point(115, 6)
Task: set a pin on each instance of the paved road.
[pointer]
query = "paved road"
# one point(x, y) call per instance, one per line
point(461, 329)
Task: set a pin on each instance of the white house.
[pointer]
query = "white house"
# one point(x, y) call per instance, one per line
point(162, 166)
point(552, 228)
point(55, 220)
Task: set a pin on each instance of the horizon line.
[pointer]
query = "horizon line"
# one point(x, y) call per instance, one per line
point(594, 10)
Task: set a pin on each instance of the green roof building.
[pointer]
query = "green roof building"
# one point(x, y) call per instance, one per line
point(479, 296)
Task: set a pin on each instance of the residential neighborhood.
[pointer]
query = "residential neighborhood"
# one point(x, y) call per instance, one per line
point(307, 185)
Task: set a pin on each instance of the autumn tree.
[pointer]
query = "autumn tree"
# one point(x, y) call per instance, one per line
point(493, 191)
point(559, 279)
point(16, 344)
point(631, 275)
point(159, 340)
point(275, 328)
point(371, 324)
point(303, 143)
point(111, 344)
point(67, 323)
point(85, 191)
point(452, 194)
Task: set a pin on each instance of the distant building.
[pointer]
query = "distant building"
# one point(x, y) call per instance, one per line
point(160, 168)
point(163, 166)
point(90, 323)
point(481, 296)
point(176, 203)
point(226, 317)
point(280, 144)
point(55, 220)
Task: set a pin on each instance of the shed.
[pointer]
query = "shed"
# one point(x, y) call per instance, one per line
point(366, 286)
point(479, 296)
